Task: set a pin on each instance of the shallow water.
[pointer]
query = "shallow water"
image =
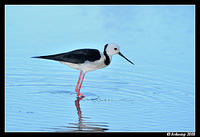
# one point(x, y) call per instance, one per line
point(155, 94)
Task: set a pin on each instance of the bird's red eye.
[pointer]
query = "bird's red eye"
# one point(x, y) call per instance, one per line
point(115, 48)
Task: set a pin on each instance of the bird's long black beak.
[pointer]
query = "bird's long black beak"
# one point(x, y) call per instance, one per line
point(125, 58)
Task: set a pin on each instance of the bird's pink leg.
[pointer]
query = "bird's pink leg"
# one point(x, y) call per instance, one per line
point(78, 82)
point(79, 93)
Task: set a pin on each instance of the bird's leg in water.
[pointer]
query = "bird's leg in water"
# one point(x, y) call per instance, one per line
point(79, 93)
point(78, 82)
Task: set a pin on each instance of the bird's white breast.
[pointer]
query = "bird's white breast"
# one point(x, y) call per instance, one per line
point(87, 65)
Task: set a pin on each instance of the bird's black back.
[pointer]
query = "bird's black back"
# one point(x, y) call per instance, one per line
point(75, 56)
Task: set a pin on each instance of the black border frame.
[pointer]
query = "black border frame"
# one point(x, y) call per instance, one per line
point(3, 3)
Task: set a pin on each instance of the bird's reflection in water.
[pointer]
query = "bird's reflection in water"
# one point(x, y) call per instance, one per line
point(82, 125)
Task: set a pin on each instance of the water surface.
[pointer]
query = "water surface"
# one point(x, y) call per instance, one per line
point(155, 94)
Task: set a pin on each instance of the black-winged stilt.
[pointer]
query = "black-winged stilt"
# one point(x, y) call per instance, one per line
point(86, 60)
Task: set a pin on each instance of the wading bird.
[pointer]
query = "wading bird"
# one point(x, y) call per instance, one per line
point(86, 60)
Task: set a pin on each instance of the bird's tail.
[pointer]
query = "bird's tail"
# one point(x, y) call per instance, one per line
point(51, 57)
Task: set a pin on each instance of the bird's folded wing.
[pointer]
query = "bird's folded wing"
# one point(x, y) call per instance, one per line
point(76, 56)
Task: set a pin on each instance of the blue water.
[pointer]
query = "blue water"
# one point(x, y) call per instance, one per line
point(155, 94)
